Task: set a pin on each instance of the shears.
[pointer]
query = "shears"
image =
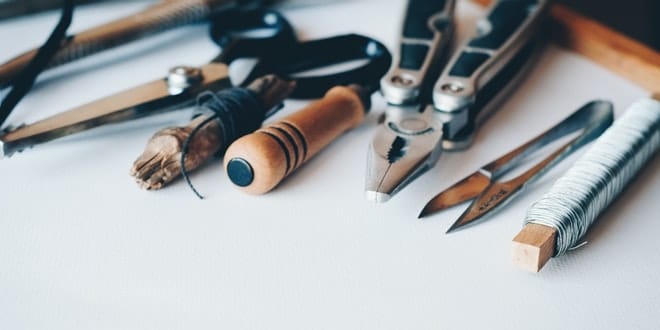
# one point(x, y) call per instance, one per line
point(427, 114)
point(486, 187)
point(262, 34)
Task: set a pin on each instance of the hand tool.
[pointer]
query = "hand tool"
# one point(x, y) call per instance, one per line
point(21, 84)
point(275, 51)
point(477, 79)
point(489, 194)
point(16, 8)
point(223, 117)
point(159, 17)
point(257, 162)
point(157, 166)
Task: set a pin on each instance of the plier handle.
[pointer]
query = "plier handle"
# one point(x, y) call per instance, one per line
point(482, 72)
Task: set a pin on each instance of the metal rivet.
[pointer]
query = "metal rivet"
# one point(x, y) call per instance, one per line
point(181, 77)
point(452, 88)
point(402, 81)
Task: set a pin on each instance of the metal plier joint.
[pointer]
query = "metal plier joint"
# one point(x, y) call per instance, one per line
point(432, 108)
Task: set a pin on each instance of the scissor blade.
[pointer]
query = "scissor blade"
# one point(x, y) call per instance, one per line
point(462, 191)
point(147, 99)
point(495, 196)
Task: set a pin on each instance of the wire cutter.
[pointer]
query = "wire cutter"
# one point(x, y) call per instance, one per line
point(490, 194)
point(426, 115)
point(262, 34)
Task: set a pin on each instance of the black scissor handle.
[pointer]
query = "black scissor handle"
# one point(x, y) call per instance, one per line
point(250, 33)
point(317, 54)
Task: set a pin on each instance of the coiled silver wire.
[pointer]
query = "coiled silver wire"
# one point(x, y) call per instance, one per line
point(577, 198)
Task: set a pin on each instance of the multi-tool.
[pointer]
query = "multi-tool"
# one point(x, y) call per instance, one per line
point(426, 115)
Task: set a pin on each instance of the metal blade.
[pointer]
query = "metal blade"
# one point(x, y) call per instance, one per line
point(405, 145)
point(495, 196)
point(462, 191)
point(151, 98)
point(595, 117)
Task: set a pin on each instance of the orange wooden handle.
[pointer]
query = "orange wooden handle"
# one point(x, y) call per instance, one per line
point(257, 162)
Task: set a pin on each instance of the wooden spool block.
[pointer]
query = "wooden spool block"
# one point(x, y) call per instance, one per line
point(533, 247)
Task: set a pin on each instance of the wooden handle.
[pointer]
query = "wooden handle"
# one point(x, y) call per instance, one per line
point(533, 247)
point(257, 162)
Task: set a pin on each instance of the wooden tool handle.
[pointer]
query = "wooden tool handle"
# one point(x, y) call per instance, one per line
point(258, 162)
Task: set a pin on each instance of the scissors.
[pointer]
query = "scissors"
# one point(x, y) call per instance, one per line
point(425, 114)
point(484, 185)
point(262, 34)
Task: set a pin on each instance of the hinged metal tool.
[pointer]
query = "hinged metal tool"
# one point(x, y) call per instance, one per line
point(426, 114)
point(490, 194)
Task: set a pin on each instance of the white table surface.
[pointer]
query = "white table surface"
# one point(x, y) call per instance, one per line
point(81, 247)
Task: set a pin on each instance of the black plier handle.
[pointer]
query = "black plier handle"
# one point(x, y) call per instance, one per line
point(483, 71)
point(479, 74)
point(427, 31)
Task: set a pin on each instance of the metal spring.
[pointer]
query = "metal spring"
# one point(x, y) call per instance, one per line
point(577, 198)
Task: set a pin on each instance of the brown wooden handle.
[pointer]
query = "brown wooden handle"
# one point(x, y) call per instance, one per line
point(256, 163)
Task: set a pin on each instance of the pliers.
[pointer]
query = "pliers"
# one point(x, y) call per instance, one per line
point(427, 114)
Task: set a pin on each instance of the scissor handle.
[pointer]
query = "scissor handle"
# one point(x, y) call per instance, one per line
point(293, 61)
point(250, 33)
point(592, 119)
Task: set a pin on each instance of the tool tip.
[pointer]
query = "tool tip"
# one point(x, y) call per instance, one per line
point(425, 211)
point(431, 207)
point(454, 227)
point(377, 196)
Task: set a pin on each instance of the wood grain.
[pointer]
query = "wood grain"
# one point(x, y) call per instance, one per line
point(620, 54)
point(533, 247)
point(276, 150)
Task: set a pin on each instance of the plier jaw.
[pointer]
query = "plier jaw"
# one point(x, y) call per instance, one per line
point(481, 74)
point(410, 142)
point(404, 147)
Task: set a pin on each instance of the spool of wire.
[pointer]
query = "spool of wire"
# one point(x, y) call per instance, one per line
point(576, 199)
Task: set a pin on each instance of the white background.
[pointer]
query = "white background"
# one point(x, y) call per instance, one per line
point(81, 247)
